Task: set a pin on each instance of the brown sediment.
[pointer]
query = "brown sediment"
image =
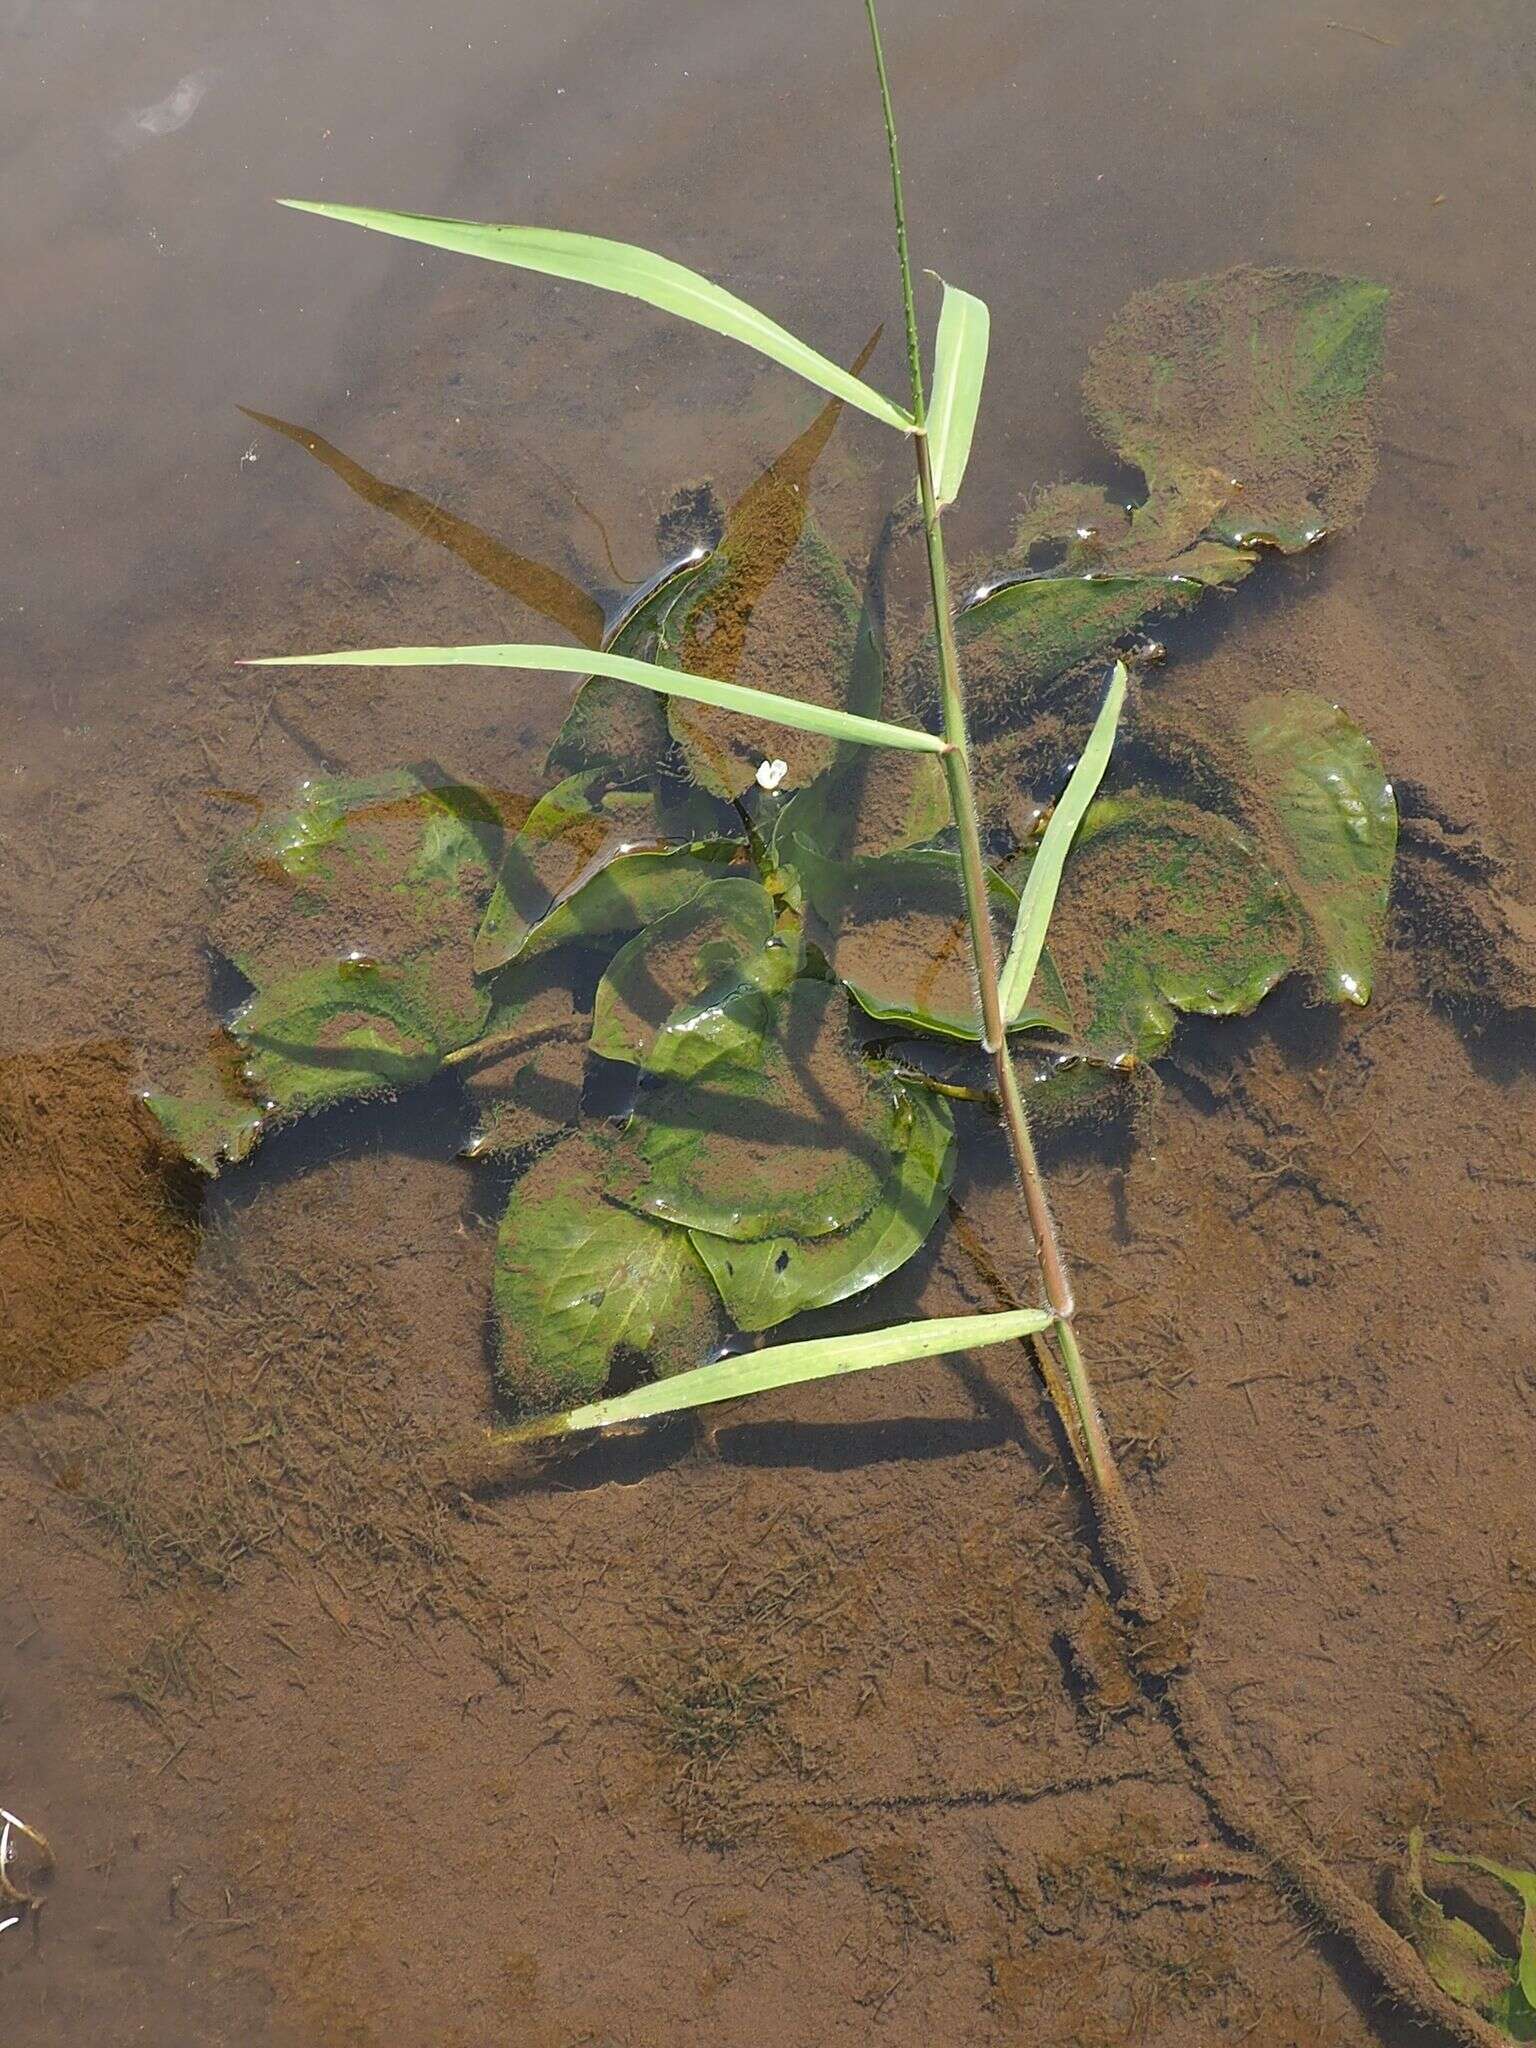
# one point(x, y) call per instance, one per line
point(98, 1228)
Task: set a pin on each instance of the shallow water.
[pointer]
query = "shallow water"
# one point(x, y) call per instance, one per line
point(330, 1750)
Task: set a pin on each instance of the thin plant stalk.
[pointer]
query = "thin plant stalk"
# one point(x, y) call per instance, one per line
point(1236, 1800)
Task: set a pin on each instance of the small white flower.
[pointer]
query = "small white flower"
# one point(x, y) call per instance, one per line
point(771, 773)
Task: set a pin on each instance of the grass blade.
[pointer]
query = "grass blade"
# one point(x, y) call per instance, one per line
point(621, 267)
point(788, 1365)
point(959, 365)
point(1039, 897)
point(671, 682)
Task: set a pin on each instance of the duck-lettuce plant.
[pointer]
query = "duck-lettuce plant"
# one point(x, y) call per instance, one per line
point(708, 839)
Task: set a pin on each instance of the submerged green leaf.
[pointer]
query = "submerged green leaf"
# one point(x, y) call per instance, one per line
point(1164, 907)
point(213, 1121)
point(638, 274)
point(766, 1281)
point(349, 1029)
point(679, 956)
point(1523, 1884)
point(1254, 385)
point(609, 724)
point(775, 604)
point(576, 832)
point(895, 932)
point(1044, 878)
point(580, 1281)
point(959, 366)
point(790, 1365)
point(759, 1119)
point(1336, 829)
point(351, 914)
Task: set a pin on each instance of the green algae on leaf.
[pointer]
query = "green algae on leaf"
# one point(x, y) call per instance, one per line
point(764, 1281)
point(1324, 787)
point(611, 725)
point(759, 1119)
point(1255, 384)
point(351, 913)
point(348, 1029)
point(212, 1121)
point(774, 617)
point(1462, 1961)
point(678, 956)
point(393, 867)
point(1164, 907)
point(580, 1281)
point(574, 866)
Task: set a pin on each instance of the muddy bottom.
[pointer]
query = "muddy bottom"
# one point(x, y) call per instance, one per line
point(805, 1726)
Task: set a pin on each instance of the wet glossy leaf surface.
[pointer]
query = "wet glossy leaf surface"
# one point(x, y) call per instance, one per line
point(393, 867)
point(352, 914)
point(1164, 908)
point(759, 1118)
point(581, 1281)
point(1335, 836)
point(212, 1120)
point(591, 859)
point(679, 956)
point(763, 1282)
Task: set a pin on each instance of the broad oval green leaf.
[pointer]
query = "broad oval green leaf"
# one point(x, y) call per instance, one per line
point(678, 957)
point(1044, 879)
point(1324, 787)
point(1523, 1884)
point(766, 1281)
point(1165, 907)
point(579, 1281)
point(637, 274)
point(351, 913)
point(817, 718)
point(791, 1365)
point(959, 367)
point(350, 1029)
point(1252, 384)
point(758, 1118)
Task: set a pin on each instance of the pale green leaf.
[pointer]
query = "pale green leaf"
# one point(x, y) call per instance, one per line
point(578, 1282)
point(959, 364)
point(620, 267)
point(585, 661)
point(790, 1365)
point(1039, 896)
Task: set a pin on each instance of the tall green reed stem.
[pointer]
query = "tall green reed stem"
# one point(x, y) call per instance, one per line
point(1236, 1800)
point(962, 797)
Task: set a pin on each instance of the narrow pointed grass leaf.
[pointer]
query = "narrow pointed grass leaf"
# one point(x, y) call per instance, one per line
point(788, 1365)
point(621, 267)
point(1039, 897)
point(959, 364)
point(586, 661)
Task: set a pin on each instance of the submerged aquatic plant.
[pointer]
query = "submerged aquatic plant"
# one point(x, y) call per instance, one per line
point(769, 878)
